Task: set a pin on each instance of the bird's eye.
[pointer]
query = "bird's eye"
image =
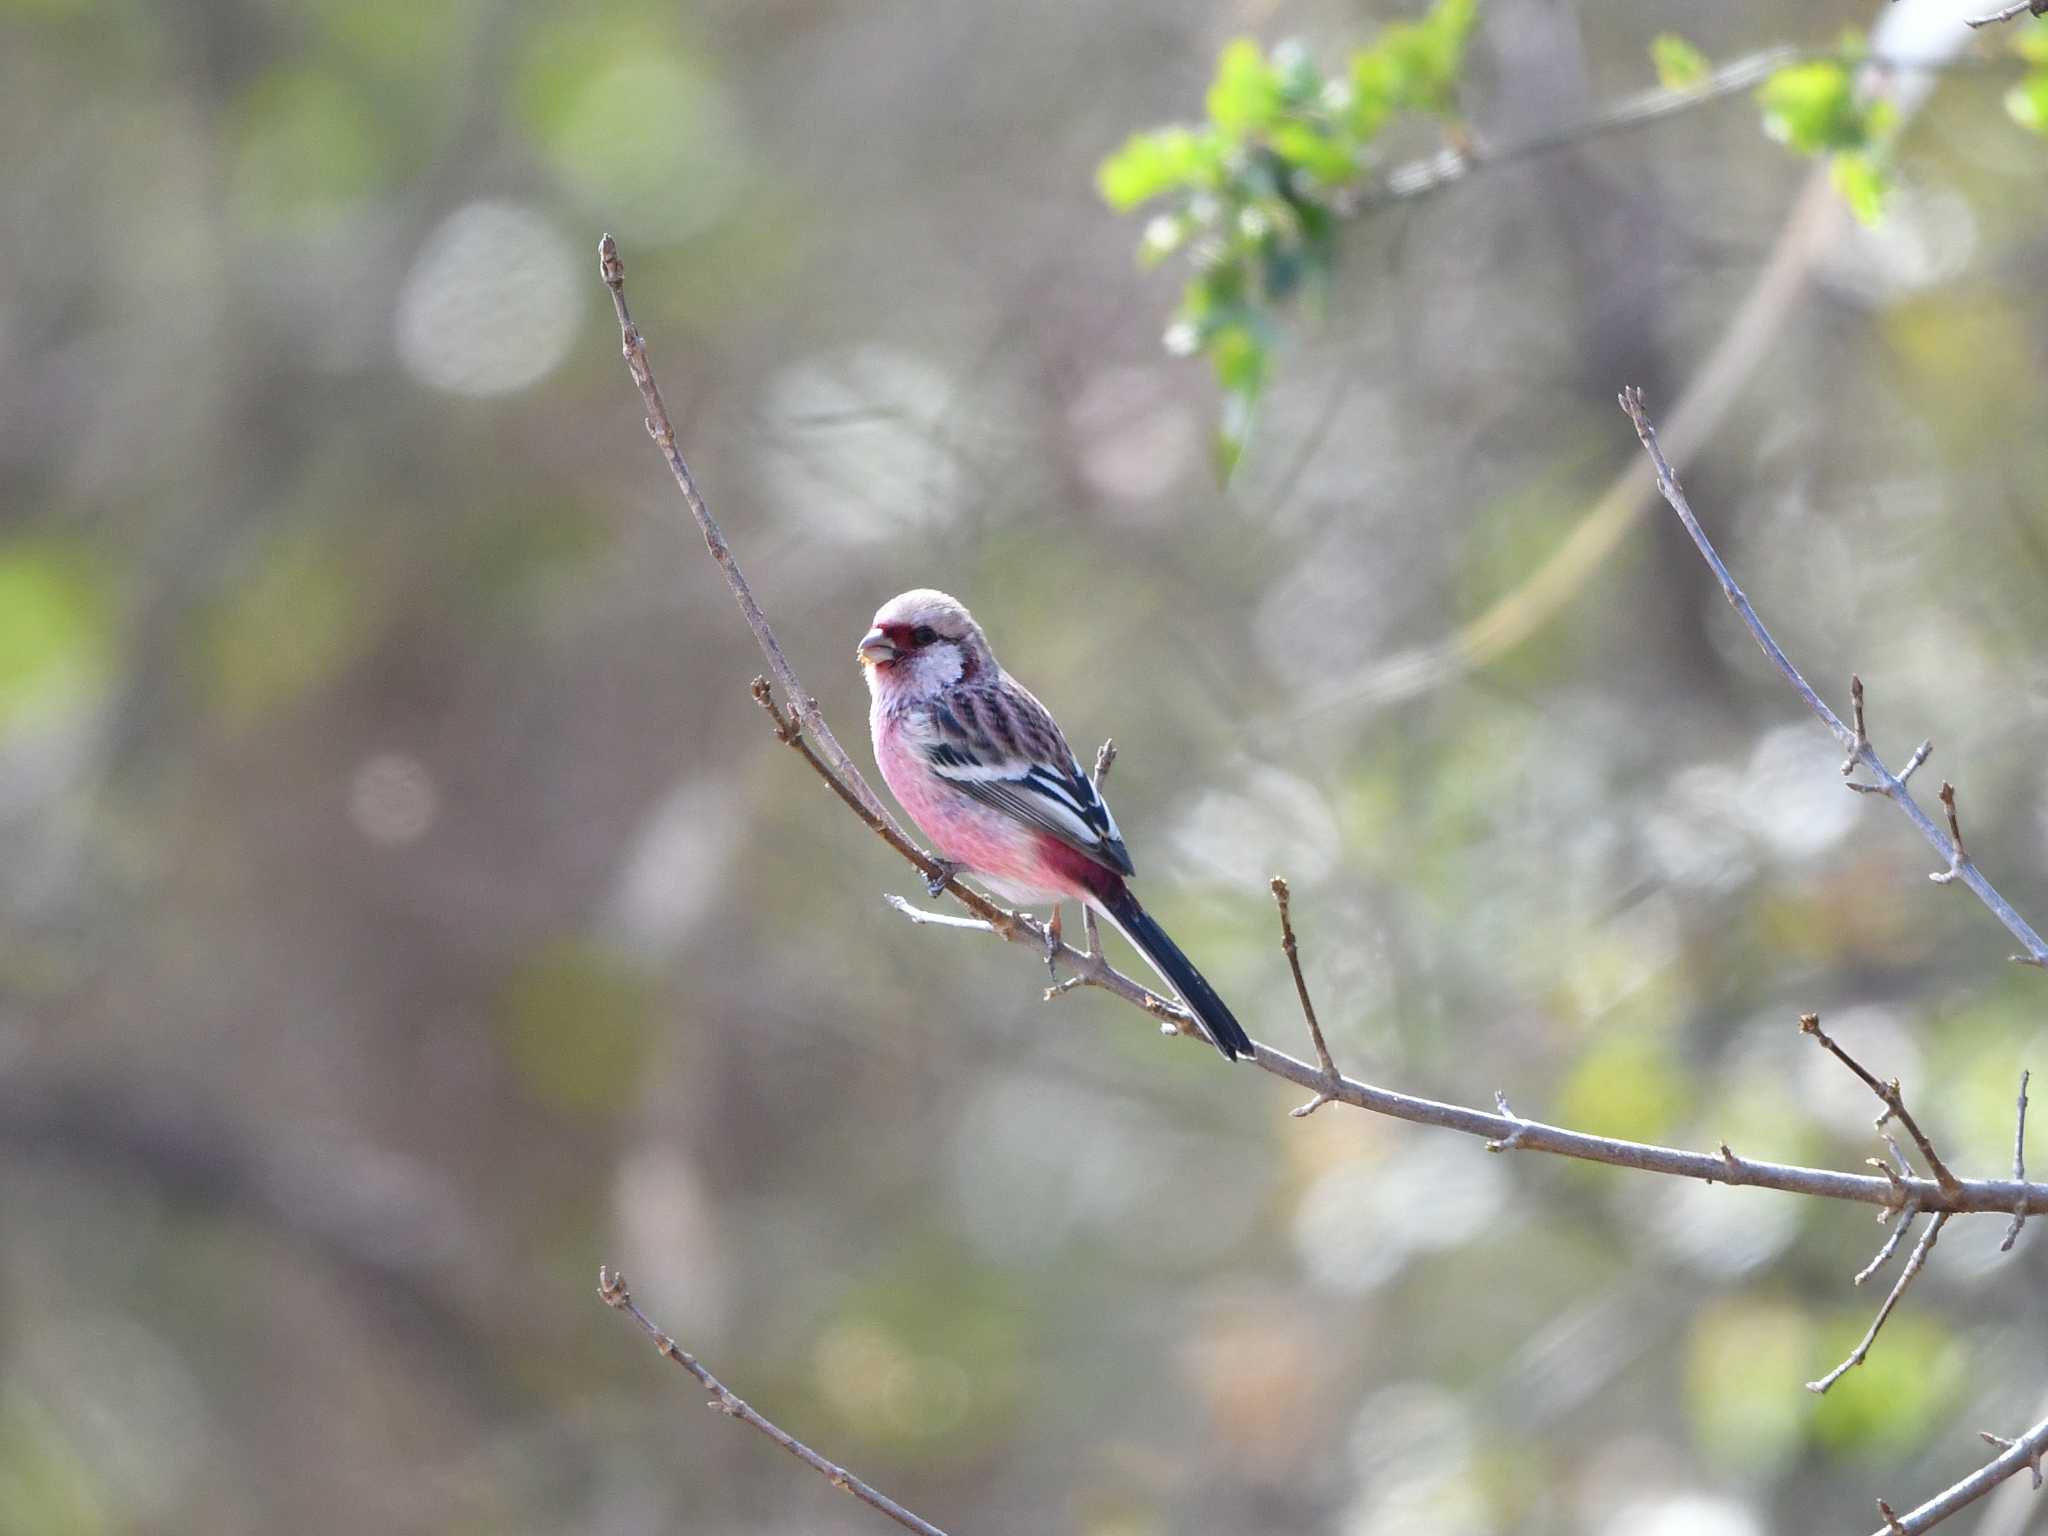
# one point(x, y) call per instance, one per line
point(924, 634)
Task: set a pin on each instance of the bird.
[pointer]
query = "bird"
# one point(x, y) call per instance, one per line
point(983, 770)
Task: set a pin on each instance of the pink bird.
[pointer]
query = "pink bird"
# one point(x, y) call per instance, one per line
point(983, 770)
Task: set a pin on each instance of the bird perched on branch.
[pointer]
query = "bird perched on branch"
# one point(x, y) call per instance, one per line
point(982, 768)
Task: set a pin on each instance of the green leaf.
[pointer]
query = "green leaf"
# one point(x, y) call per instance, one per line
point(1862, 183)
point(2027, 102)
point(1246, 95)
point(1149, 165)
point(1680, 66)
point(1372, 93)
point(2030, 41)
point(1239, 356)
point(1424, 57)
point(1812, 107)
point(1233, 429)
point(1307, 147)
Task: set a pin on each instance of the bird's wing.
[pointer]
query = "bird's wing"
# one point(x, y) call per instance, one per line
point(998, 744)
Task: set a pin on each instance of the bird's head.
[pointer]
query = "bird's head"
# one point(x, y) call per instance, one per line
point(921, 642)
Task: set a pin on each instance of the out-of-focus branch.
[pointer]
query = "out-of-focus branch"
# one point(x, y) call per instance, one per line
point(1892, 786)
point(2017, 8)
point(611, 1289)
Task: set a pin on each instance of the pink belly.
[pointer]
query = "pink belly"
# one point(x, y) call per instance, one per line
point(1022, 865)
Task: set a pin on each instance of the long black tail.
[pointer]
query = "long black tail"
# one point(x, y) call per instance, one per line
point(1150, 940)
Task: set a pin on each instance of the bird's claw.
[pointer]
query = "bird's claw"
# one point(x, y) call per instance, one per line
point(1052, 945)
point(947, 870)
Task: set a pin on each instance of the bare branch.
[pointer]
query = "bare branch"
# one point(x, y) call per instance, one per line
point(1913, 1266)
point(611, 1289)
point(1891, 1244)
point(2019, 1173)
point(2026, 1451)
point(663, 431)
point(1888, 1094)
point(1893, 786)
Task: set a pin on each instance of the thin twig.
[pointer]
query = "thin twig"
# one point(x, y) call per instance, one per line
point(1862, 742)
point(663, 431)
point(1913, 1266)
point(1889, 1095)
point(1292, 950)
point(1893, 785)
point(925, 918)
point(611, 1289)
point(2019, 1173)
point(1957, 858)
point(1105, 759)
point(1732, 78)
point(1891, 1244)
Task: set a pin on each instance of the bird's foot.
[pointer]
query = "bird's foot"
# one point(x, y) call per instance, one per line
point(1052, 944)
point(947, 870)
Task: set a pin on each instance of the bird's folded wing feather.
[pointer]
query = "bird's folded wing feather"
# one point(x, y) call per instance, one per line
point(998, 744)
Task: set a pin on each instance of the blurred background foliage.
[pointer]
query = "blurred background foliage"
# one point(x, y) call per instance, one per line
point(405, 908)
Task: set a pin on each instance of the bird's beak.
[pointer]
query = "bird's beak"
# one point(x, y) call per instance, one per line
point(876, 646)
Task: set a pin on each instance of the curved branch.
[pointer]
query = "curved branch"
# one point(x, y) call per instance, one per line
point(1947, 841)
point(663, 431)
